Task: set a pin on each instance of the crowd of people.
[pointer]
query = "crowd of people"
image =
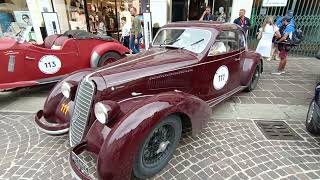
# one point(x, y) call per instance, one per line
point(273, 36)
point(104, 23)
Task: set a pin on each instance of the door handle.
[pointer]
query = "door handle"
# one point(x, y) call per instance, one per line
point(29, 58)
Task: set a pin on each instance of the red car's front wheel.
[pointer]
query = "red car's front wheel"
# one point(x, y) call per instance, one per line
point(108, 58)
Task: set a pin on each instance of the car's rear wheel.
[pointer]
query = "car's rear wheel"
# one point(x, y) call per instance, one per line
point(311, 121)
point(254, 80)
point(158, 147)
point(107, 58)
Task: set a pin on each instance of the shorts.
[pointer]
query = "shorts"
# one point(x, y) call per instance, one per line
point(284, 49)
point(283, 54)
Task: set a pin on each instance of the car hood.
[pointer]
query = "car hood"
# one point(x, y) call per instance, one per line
point(152, 62)
point(7, 43)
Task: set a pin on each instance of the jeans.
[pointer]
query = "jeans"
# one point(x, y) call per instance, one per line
point(126, 40)
point(135, 47)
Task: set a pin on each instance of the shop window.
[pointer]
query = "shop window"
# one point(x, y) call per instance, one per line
point(15, 20)
point(76, 14)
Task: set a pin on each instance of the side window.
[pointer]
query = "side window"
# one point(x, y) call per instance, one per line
point(242, 40)
point(226, 41)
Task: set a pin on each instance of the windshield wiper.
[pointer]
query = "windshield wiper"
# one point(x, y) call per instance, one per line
point(197, 42)
point(170, 42)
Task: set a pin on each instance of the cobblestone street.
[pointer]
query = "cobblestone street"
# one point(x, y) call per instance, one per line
point(231, 146)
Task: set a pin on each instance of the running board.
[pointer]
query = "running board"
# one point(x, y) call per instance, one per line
point(219, 99)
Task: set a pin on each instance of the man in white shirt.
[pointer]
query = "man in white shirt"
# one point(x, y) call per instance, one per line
point(125, 35)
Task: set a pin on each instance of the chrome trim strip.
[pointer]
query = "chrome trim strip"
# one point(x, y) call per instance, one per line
point(133, 60)
point(134, 98)
point(219, 99)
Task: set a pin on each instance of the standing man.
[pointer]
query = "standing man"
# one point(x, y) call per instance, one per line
point(243, 21)
point(283, 46)
point(125, 37)
point(135, 31)
point(275, 52)
point(206, 15)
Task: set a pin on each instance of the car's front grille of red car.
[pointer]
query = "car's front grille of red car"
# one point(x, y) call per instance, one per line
point(79, 120)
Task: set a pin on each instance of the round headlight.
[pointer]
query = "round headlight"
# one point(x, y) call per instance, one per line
point(101, 112)
point(66, 89)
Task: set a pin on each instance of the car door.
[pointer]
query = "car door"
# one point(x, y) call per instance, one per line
point(219, 70)
point(43, 63)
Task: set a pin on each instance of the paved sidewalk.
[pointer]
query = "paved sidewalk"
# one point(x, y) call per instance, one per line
point(230, 147)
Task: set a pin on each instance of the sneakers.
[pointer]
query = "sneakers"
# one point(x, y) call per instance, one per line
point(278, 72)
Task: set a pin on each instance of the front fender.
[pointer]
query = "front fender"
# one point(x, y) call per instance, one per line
point(52, 110)
point(117, 150)
point(101, 49)
point(248, 66)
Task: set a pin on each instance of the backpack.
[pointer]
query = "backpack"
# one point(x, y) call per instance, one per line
point(297, 37)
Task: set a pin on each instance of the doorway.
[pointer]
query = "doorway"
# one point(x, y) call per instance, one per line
point(179, 10)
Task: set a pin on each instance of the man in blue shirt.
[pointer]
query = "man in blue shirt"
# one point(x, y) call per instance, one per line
point(289, 14)
point(286, 31)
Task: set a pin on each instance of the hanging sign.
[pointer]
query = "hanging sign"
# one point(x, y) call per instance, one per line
point(269, 3)
point(51, 22)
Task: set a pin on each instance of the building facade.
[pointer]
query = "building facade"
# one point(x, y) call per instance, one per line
point(31, 18)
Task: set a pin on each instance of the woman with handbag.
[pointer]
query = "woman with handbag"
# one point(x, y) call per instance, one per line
point(265, 36)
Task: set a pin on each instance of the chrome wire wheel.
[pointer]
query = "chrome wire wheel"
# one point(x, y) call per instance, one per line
point(158, 147)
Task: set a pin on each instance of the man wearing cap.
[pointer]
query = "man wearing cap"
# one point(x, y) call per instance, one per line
point(286, 30)
point(289, 13)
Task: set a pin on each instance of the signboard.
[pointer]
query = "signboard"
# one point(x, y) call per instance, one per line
point(263, 11)
point(51, 22)
point(269, 3)
point(147, 30)
point(23, 17)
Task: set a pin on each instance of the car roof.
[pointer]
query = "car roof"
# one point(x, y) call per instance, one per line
point(205, 24)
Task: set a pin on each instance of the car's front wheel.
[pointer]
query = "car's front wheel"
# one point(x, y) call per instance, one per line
point(158, 148)
point(107, 58)
point(311, 121)
point(254, 80)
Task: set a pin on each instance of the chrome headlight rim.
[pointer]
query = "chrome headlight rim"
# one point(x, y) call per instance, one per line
point(66, 89)
point(101, 111)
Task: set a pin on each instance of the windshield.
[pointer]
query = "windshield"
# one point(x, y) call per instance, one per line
point(194, 40)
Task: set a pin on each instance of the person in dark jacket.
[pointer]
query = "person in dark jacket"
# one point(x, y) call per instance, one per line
point(243, 21)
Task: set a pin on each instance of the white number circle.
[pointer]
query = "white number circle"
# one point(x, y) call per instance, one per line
point(49, 64)
point(221, 77)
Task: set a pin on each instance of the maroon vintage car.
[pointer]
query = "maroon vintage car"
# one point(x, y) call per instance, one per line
point(24, 64)
point(130, 114)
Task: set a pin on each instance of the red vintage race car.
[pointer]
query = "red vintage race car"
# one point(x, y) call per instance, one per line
point(25, 64)
point(130, 114)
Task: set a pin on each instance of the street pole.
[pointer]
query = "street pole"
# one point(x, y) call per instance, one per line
point(293, 5)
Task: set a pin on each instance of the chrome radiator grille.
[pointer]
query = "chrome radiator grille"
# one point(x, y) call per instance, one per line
point(79, 120)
